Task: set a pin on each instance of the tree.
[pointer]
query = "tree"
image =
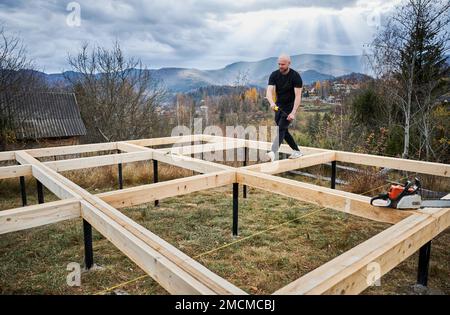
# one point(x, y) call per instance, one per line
point(313, 126)
point(251, 96)
point(17, 77)
point(408, 56)
point(117, 96)
point(366, 109)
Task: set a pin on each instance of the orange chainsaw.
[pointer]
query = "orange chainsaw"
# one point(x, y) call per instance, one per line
point(407, 196)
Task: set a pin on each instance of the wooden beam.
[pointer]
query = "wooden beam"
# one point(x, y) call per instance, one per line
point(138, 154)
point(135, 231)
point(52, 184)
point(37, 215)
point(128, 147)
point(7, 156)
point(202, 148)
point(147, 193)
point(263, 145)
point(325, 197)
point(351, 272)
point(15, 171)
point(166, 140)
point(97, 161)
point(103, 160)
point(72, 149)
point(190, 163)
point(430, 168)
point(180, 160)
point(281, 166)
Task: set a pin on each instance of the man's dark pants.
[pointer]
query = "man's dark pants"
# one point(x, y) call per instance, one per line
point(283, 132)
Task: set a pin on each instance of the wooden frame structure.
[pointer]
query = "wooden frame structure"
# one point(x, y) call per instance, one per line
point(180, 274)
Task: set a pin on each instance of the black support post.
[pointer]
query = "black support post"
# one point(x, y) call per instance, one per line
point(155, 177)
point(333, 175)
point(120, 173)
point(193, 155)
point(235, 208)
point(120, 176)
point(203, 147)
point(424, 263)
point(88, 251)
point(244, 188)
point(40, 191)
point(23, 191)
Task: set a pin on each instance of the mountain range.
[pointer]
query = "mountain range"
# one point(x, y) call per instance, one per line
point(312, 67)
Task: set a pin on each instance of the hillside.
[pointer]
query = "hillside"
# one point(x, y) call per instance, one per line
point(312, 68)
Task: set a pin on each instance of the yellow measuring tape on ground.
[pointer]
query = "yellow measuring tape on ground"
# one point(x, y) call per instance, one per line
point(235, 242)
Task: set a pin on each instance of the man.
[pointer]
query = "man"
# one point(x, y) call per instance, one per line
point(288, 84)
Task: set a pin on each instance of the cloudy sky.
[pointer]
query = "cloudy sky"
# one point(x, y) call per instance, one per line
point(205, 34)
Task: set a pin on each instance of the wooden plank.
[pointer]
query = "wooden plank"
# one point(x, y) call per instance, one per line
point(223, 144)
point(37, 215)
point(97, 161)
point(190, 163)
point(350, 273)
point(183, 261)
point(165, 272)
point(323, 178)
point(7, 156)
point(430, 168)
point(180, 160)
point(165, 140)
point(281, 166)
point(202, 148)
point(263, 145)
point(72, 149)
point(127, 147)
point(143, 194)
point(59, 189)
point(325, 197)
point(15, 171)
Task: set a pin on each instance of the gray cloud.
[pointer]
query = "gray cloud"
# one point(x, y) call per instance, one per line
point(192, 33)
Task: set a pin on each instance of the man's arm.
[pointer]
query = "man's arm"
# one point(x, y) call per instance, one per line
point(269, 95)
point(297, 101)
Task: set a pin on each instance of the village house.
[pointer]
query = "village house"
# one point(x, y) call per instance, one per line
point(44, 119)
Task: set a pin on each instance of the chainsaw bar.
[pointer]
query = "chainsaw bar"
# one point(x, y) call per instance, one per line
point(443, 203)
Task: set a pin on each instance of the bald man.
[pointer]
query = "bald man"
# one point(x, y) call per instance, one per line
point(287, 84)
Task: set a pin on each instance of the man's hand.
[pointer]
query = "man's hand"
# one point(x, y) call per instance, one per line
point(271, 102)
point(291, 116)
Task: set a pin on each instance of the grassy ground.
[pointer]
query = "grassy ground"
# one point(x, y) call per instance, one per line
point(34, 261)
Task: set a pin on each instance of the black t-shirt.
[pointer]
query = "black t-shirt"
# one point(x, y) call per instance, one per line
point(284, 86)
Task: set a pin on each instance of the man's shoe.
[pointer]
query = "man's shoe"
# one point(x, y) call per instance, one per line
point(271, 156)
point(295, 155)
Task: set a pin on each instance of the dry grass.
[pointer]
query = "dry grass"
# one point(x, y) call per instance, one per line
point(366, 180)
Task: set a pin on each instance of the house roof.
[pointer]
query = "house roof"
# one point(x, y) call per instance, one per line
point(45, 115)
